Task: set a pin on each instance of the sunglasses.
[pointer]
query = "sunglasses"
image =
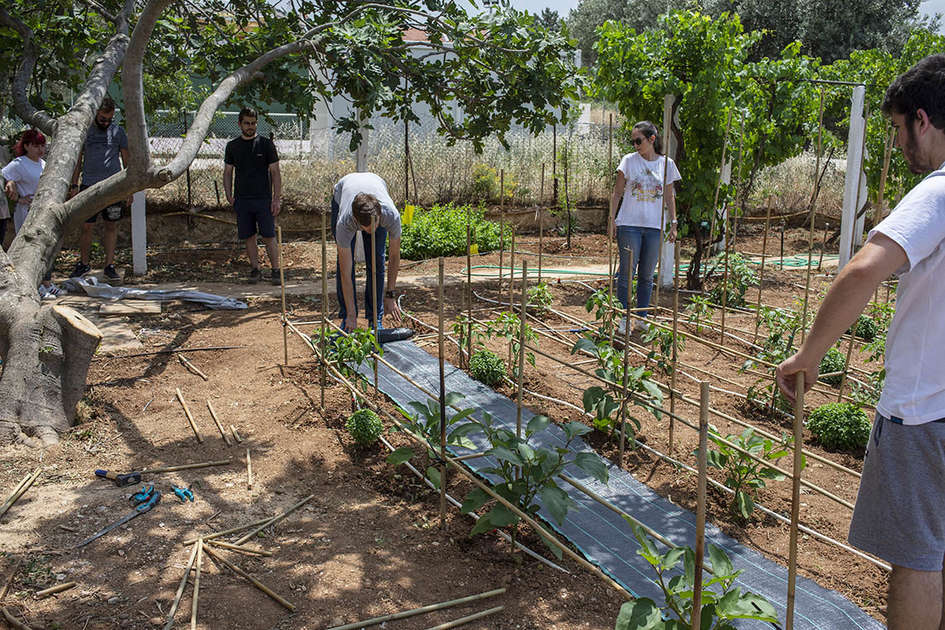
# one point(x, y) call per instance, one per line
point(103, 120)
point(637, 141)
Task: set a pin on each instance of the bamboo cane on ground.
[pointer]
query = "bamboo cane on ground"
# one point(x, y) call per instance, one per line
point(193, 603)
point(275, 519)
point(169, 623)
point(418, 611)
point(190, 418)
point(21, 489)
point(216, 421)
point(467, 619)
point(235, 569)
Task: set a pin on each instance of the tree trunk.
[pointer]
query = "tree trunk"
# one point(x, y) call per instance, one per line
point(45, 367)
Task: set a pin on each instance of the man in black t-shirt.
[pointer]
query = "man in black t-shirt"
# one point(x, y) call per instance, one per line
point(256, 199)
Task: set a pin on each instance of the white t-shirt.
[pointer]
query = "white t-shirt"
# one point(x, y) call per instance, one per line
point(642, 204)
point(915, 342)
point(25, 172)
point(347, 188)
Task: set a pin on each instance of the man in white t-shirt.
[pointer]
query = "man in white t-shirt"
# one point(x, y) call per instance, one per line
point(900, 508)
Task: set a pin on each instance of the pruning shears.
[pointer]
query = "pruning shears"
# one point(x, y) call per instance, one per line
point(184, 494)
point(150, 502)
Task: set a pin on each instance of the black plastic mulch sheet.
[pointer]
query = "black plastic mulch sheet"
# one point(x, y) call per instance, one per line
point(603, 536)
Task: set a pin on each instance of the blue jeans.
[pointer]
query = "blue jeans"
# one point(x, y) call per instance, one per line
point(645, 246)
point(374, 282)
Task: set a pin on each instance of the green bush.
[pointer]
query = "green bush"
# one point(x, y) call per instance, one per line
point(832, 362)
point(364, 426)
point(486, 367)
point(865, 328)
point(839, 426)
point(441, 231)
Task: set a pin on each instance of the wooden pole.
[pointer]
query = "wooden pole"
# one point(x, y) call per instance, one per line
point(846, 367)
point(462, 621)
point(728, 244)
point(672, 377)
point(375, 285)
point(216, 421)
point(521, 350)
point(193, 603)
point(512, 269)
point(190, 418)
point(469, 343)
point(274, 520)
point(501, 249)
point(418, 611)
point(541, 240)
point(810, 238)
point(440, 339)
point(249, 470)
point(761, 273)
point(795, 494)
point(21, 489)
point(52, 590)
point(324, 309)
point(700, 503)
point(235, 569)
point(238, 548)
point(659, 260)
point(782, 244)
point(169, 623)
point(285, 330)
point(823, 248)
point(166, 469)
point(541, 189)
point(628, 257)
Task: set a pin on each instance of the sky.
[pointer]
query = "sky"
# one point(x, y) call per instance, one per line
point(563, 7)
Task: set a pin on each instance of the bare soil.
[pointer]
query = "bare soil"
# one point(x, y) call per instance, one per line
point(370, 542)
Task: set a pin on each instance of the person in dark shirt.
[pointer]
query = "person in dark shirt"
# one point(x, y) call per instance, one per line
point(256, 199)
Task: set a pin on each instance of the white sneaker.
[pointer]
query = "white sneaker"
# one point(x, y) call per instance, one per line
point(622, 326)
point(640, 325)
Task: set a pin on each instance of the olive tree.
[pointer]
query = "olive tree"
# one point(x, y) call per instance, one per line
point(478, 74)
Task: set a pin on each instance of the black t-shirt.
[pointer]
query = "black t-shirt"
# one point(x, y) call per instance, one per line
point(251, 160)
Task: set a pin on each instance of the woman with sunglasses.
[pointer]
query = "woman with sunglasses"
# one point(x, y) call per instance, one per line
point(644, 199)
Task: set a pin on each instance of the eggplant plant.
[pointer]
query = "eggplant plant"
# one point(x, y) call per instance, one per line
point(527, 473)
point(349, 351)
point(722, 601)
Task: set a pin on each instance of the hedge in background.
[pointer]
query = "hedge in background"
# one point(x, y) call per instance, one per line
point(441, 231)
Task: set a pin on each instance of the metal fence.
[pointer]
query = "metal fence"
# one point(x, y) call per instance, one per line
point(313, 158)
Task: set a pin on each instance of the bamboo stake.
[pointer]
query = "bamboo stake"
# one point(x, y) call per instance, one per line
point(239, 548)
point(541, 238)
point(20, 491)
point(521, 351)
point(846, 367)
point(761, 273)
point(782, 244)
point(823, 248)
point(236, 435)
point(285, 331)
point(190, 366)
point(193, 603)
point(274, 520)
point(324, 307)
point(235, 569)
point(718, 183)
point(541, 188)
point(810, 238)
point(375, 285)
point(232, 530)
point(512, 268)
point(501, 247)
point(418, 611)
point(166, 469)
point(728, 244)
point(700, 503)
point(467, 619)
point(13, 621)
point(659, 259)
point(9, 580)
point(672, 377)
point(795, 494)
point(249, 471)
point(180, 588)
point(468, 292)
point(216, 421)
point(190, 418)
point(440, 267)
point(628, 257)
point(52, 590)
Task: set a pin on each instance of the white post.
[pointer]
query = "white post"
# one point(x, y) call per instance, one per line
point(853, 175)
point(668, 251)
point(361, 161)
point(139, 235)
point(861, 222)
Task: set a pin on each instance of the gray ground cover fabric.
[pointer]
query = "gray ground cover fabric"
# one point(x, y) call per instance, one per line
point(93, 288)
point(603, 536)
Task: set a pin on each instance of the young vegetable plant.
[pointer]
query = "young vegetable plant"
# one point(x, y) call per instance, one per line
point(527, 473)
point(740, 277)
point(603, 403)
point(462, 330)
point(665, 342)
point(604, 308)
point(424, 422)
point(507, 325)
point(349, 351)
point(743, 474)
point(720, 608)
point(698, 312)
point(539, 297)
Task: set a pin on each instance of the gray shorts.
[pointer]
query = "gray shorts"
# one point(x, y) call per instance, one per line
point(900, 507)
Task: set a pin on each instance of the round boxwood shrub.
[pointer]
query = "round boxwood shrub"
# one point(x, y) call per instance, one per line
point(839, 426)
point(832, 362)
point(865, 328)
point(364, 426)
point(486, 367)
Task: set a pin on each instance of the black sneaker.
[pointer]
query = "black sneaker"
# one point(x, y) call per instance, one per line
point(254, 276)
point(112, 274)
point(274, 277)
point(80, 269)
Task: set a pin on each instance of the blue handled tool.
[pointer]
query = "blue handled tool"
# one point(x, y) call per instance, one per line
point(141, 509)
point(184, 494)
point(142, 495)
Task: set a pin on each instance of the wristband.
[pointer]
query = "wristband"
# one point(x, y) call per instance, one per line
point(673, 222)
point(390, 294)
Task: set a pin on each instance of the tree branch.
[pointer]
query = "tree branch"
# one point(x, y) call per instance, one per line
point(21, 102)
point(101, 9)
